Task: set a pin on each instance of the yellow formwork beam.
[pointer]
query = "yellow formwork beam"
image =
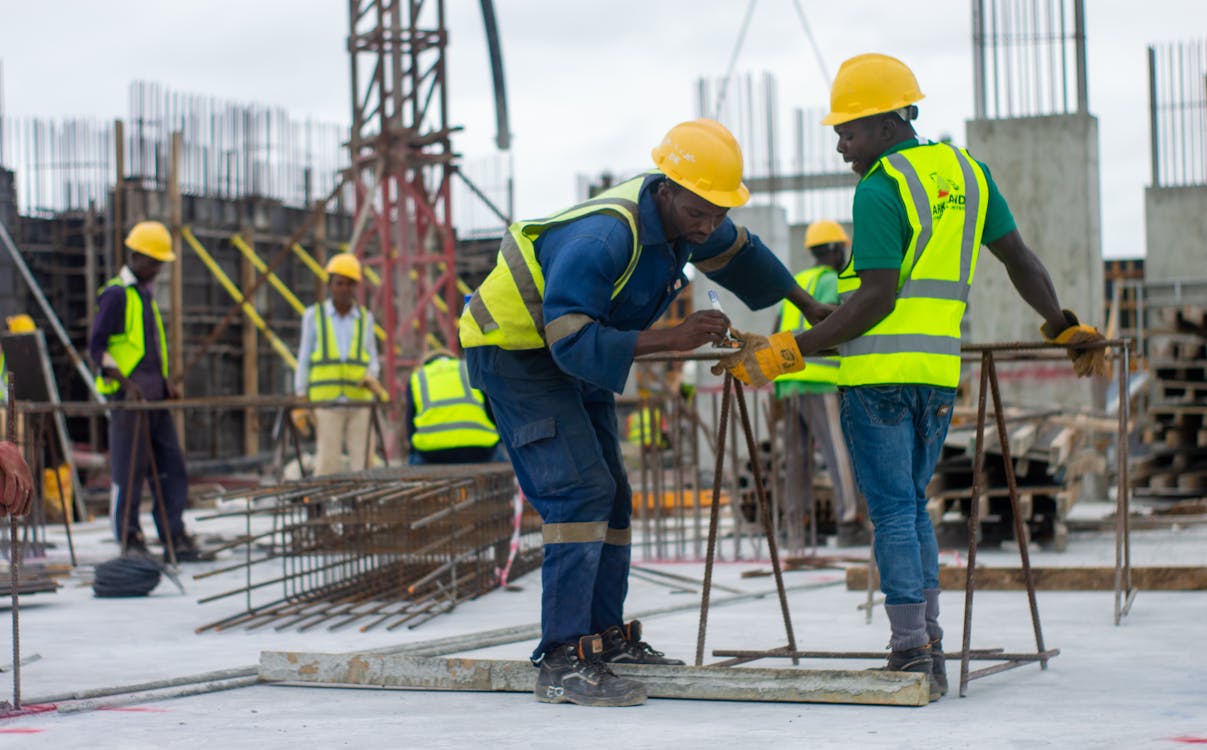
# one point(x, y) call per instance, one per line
point(233, 290)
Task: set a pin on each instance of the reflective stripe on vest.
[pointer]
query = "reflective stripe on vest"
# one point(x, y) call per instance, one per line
point(817, 369)
point(130, 346)
point(943, 190)
point(449, 413)
point(330, 376)
point(647, 422)
point(506, 310)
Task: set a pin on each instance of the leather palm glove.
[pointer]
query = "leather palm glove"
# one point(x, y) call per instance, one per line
point(375, 385)
point(16, 481)
point(762, 358)
point(301, 419)
point(1086, 362)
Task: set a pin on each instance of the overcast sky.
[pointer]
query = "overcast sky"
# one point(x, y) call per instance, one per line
point(591, 85)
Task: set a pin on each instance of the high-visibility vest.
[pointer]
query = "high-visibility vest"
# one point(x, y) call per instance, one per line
point(506, 310)
point(817, 369)
point(650, 423)
point(129, 347)
point(330, 376)
point(945, 193)
point(449, 413)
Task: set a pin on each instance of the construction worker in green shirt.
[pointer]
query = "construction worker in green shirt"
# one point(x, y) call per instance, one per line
point(815, 392)
point(921, 212)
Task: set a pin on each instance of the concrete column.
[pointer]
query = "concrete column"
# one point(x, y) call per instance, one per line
point(1175, 233)
point(1047, 169)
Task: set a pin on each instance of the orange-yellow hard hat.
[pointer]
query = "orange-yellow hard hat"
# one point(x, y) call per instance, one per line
point(151, 238)
point(871, 84)
point(703, 157)
point(344, 264)
point(825, 232)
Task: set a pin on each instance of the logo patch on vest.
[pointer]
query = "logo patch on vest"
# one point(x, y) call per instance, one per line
point(948, 193)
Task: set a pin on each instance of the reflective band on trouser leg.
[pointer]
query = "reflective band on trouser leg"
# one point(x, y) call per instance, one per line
point(619, 537)
point(574, 533)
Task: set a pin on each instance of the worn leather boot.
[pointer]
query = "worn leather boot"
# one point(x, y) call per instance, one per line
point(623, 645)
point(575, 673)
point(910, 646)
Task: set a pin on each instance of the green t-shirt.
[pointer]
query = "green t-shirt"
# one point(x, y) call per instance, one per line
point(881, 227)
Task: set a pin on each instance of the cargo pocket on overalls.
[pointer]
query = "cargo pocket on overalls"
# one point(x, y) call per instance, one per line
point(546, 458)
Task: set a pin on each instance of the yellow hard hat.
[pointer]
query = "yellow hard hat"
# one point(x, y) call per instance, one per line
point(21, 324)
point(871, 84)
point(704, 157)
point(344, 264)
point(825, 232)
point(152, 239)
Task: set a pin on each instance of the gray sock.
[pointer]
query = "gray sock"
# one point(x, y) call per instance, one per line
point(908, 625)
point(933, 631)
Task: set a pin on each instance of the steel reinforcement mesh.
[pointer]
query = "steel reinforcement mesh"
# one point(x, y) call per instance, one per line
point(386, 547)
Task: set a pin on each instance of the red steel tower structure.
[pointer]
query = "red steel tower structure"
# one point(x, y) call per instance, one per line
point(401, 168)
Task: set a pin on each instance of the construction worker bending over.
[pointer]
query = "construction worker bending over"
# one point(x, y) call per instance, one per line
point(448, 420)
point(337, 361)
point(128, 347)
point(921, 212)
point(550, 338)
point(816, 389)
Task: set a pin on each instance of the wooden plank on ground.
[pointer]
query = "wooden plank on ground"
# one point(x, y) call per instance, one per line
point(1173, 578)
point(869, 687)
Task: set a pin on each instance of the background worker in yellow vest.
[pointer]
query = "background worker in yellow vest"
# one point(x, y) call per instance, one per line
point(921, 213)
point(815, 389)
point(550, 338)
point(130, 352)
point(337, 361)
point(448, 420)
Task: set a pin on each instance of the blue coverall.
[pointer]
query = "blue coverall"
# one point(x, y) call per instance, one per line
point(555, 408)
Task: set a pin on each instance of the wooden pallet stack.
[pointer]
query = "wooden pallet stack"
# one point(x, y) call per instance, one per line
point(1173, 465)
point(1051, 452)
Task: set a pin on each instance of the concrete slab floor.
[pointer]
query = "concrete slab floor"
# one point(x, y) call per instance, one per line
point(1140, 684)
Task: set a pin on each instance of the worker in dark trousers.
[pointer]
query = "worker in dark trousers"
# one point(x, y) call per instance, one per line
point(921, 212)
point(448, 420)
point(816, 392)
point(128, 347)
point(550, 338)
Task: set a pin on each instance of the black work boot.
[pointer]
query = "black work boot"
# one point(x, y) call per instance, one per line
point(574, 673)
point(938, 669)
point(185, 548)
point(909, 644)
point(935, 632)
point(622, 644)
point(135, 545)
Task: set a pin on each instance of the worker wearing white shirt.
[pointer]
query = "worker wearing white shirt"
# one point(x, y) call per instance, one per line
point(337, 361)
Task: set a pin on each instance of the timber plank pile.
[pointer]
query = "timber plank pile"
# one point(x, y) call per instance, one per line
point(1174, 466)
point(1051, 451)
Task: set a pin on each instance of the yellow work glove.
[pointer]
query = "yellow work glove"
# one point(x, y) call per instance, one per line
point(762, 358)
point(1086, 362)
point(375, 385)
point(301, 419)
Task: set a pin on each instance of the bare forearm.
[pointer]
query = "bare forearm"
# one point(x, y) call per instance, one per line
point(849, 320)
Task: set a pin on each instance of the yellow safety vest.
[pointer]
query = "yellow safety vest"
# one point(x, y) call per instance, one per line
point(945, 193)
point(506, 310)
point(130, 346)
point(331, 377)
point(817, 369)
point(647, 422)
point(449, 413)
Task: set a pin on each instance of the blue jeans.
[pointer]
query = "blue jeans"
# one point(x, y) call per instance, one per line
point(562, 439)
point(894, 434)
